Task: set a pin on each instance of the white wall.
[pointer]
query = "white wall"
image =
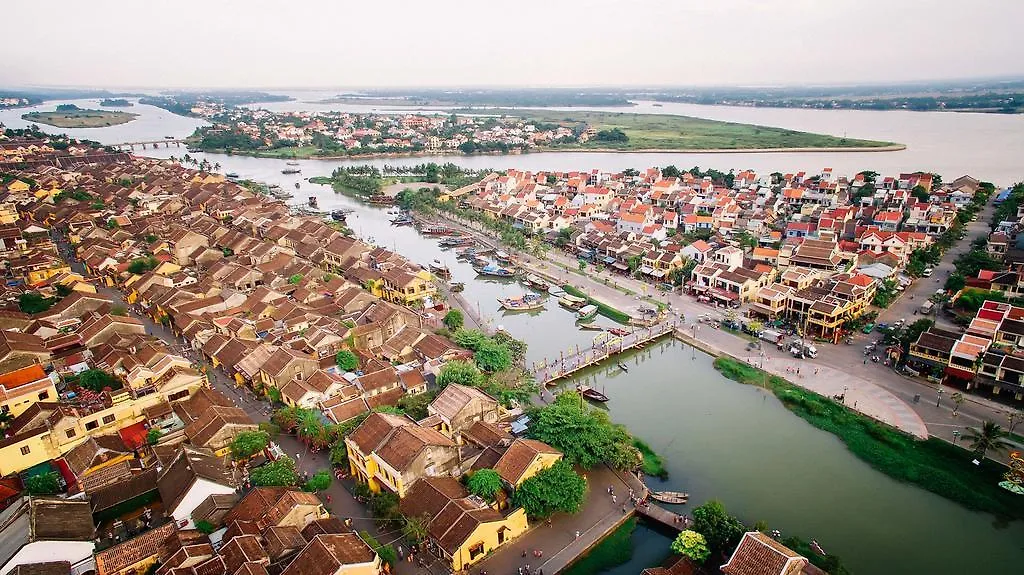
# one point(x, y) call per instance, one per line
point(198, 493)
point(43, 551)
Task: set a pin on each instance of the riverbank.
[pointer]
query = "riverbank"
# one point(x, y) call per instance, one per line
point(80, 118)
point(932, 464)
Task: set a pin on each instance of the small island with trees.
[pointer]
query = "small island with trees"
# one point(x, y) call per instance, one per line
point(71, 116)
point(115, 103)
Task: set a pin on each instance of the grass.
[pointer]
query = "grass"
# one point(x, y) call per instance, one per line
point(653, 465)
point(602, 308)
point(933, 464)
point(666, 132)
point(80, 118)
point(612, 551)
point(289, 152)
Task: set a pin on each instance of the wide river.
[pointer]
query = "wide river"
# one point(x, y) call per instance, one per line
point(721, 439)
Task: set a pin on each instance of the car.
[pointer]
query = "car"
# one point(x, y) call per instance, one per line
point(927, 272)
point(883, 326)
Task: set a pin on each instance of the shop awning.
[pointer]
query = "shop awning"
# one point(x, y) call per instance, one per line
point(609, 260)
point(646, 270)
point(620, 266)
point(657, 273)
point(134, 436)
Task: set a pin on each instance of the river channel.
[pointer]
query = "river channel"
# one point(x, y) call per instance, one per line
point(720, 439)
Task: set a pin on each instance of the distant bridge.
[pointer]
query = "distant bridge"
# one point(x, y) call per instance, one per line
point(155, 143)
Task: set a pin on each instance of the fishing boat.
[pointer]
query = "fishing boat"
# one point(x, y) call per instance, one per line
point(232, 175)
point(525, 302)
point(340, 215)
point(281, 195)
point(292, 163)
point(572, 302)
point(403, 220)
point(457, 287)
point(671, 497)
point(494, 271)
point(591, 393)
point(502, 257)
point(457, 242)
point(436, 231)
point(535, 282)
point(623, 367)
point(296, 185)
point(440, 270)
point(291, 171)
point(586, 313)
point(312, 201)
point(381, 200)
point(468, 253)
point(618, 331)
point(590, 326)
point(273, 187)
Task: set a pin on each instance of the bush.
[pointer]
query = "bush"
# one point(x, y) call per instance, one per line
point(557, 488)
point(485, 483)
point(205, 526)
point(320, 481)
point(347, 361)
point(249, 443)
point(97, 380)
point(276, 473)
point(43, 484)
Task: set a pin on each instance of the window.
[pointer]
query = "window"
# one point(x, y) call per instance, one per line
point(44, 396)
point(91, 425)
point(70, 433)
point(476, 550)
point(108, 419)
point(25, 450)
point(177, 395)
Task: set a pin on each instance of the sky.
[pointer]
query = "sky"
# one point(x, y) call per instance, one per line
point(523, 43)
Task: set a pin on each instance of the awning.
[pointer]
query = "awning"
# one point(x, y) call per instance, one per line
point(960, 373)
point(609, 260)
point(646, 270)
point(134, 436)
point(620, 266)
point(724, 294)
point(658, 273)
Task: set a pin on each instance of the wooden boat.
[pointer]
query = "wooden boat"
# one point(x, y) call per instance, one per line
point(312, 201)
point(586, 313)
point(525, 302)
point(403, 221)
point(623, 367)
point(572, 302)
point(537, 283)
point(296, 185)
point(381, 200)
point(440, 270)
point(502, 257)
point(592, 327)
point(494, 271)
point(457, 242)
point(457, 287)
point(671, 497)
point(292, 163)
point(436, 231)
point(231, 175)
point(591, 393)
point(618, 331)
point(291, 171)
point(340, 215)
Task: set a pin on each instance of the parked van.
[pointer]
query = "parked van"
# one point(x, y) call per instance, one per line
point(926, 307)
point(928, 272)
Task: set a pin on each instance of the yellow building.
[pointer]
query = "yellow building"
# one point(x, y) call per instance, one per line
point(463, 528)
point(404, 287)
point(20, 388)
point(8, 213)
point(524, 459)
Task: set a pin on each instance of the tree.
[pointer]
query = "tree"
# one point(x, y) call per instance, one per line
point(320, 481)
point(557, 488)
point(416, 529)
point(32, 302)
point(153, 436)
point(204, 526)
point(43, 484)
point(276, 473)
point(920, 193)
point(97, 380)
point(1013, 418)
point(990, 436)
point(346, 360)
point(249, 443)
point(955, 282)
point(721, 530)
point(958, 398)
point(581, 264)
point(453, 320)
point(586, 436)
point(460, 372)
point(492, 356)
point(485, 483)
point(516, 348)
point(670, 172)
point(691, 545)
point(415, 406)
point(142, 265)
point(295, 279)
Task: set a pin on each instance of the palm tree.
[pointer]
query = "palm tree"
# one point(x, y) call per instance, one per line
point(216, 166)
point(990, 436)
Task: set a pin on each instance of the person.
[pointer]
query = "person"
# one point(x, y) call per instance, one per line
point(524, 552)
point(577, 535)
point(614, 500)
point(328, 498)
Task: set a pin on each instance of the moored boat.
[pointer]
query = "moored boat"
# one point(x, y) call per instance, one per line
point(291, 171)
point(623, 367)
point(670, 497)
point(537, 283)
point(340, 215)
point(591, 393)
point(618, 331)
point(502, 257)
point(494, 271)
point(586, 313)
point(312, 201)
point(436, 231)
point(525, 302)
point(381, 200)
point(457, 242)
point(457, 287)
point(572, 302)
point(231, 175)
point(440, 270)
point(292, 163)
point(403, 220)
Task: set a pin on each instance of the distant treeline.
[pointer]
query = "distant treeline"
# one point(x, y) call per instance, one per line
point(181, 103)
point(115, 103)
point(1005, 103)
point(498, 98)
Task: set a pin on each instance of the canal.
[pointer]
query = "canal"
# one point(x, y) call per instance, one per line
point(720, 439)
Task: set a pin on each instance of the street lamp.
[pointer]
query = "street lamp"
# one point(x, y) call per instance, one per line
point(938, 398)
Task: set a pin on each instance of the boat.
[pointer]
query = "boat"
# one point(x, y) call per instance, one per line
point(312, 201)
point(525, 302)
point(274, 187)
point(590, 326)
point(440, 270)
point(291, 171)
point(494, 271)
point(537, 283)
point(457, 287)
point(586, 313)
point(623, 367)
point(618, 331)
point(502, 257)
point(403, 220)
point(457, 242)
point(232, 175)
point(436, 231)
point(381, 200)
point(281, 195)
point(292, 163)
point(671, 497)
point(572, 302)
point(340, 214)
point(591, 393)
point(656, 105)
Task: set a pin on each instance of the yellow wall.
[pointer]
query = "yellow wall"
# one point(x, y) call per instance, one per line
point(367, 569)
point(487, 533)
point(39, 276)
point(17, 405)
point(12, 460)
point(17, 186)
point(541, 462)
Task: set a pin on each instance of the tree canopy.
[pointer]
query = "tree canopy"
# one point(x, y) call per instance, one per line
point(585, 435)
point(557, 488)
point(346, 360)
point(453, 320)
point(486, 483)
point(249, 443)
point(692, 545)
point(97, 380)
point(460, 372)
point(721, 530)
point(491, 356)
point(320, 481)
point(43, 484)
point(276, 473)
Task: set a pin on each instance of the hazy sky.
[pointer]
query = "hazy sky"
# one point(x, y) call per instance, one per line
point(293, 43)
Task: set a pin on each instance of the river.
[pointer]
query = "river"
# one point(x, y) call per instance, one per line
point(720, 439)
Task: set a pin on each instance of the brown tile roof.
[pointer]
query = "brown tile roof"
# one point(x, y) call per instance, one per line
point(325, 526)
point(255, 504)
point(375, 429)
point(133, 551)
point(94, 451)
point(759, 554)
point(47, 568)
point(190, 464)
point(405, 443)
point(130, 487)
point(486, 434)
point(454, 398)
point(61, 519)
point(325, 554)
point(519, 456)
point(282, 540)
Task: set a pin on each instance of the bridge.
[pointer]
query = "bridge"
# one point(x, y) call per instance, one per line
point(155, 143)
point(605, 346)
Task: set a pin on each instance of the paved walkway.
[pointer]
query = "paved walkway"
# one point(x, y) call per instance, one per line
point(559, 541)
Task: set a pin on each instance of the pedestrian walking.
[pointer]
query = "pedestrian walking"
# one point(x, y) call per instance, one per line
point(614, 500)
point(577, 535)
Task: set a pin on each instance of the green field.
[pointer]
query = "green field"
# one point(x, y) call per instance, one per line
point(287, 153)
point(81, 118)
point(663, 132)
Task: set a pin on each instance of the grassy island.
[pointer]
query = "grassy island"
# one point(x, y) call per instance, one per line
point(932, 464)
point(71, 116)
point(629, 132)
